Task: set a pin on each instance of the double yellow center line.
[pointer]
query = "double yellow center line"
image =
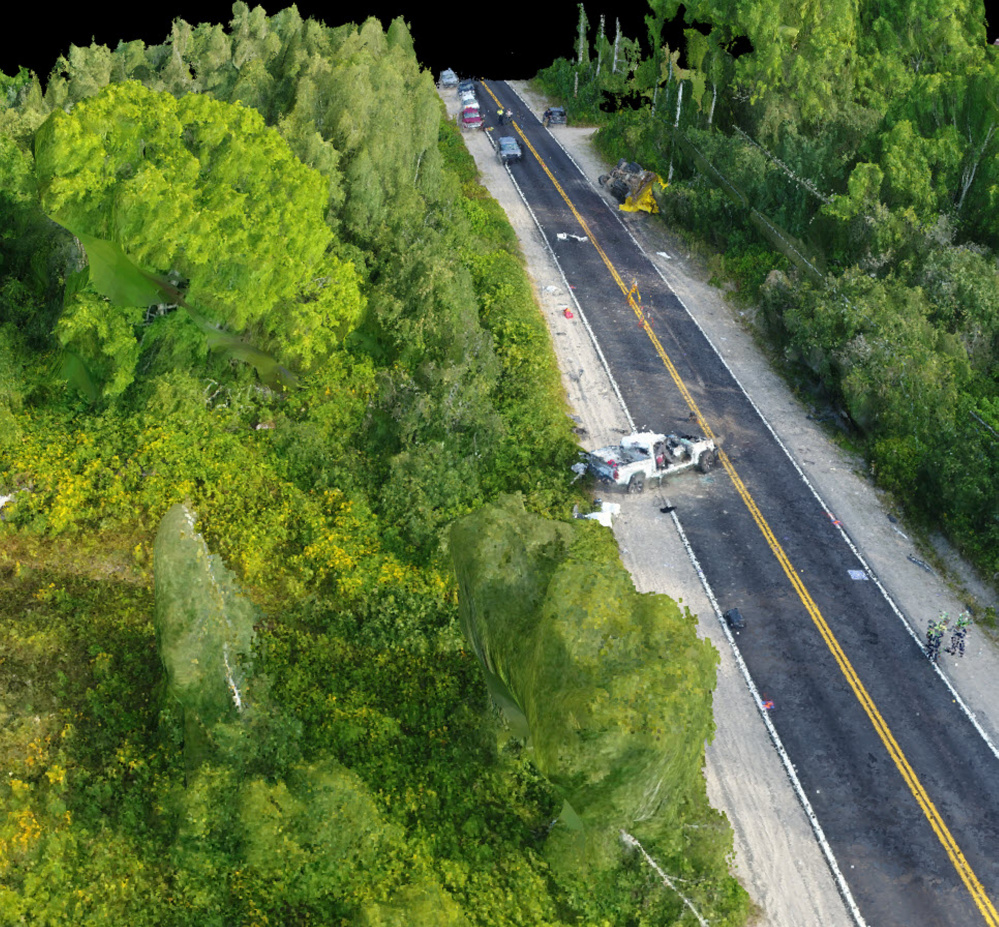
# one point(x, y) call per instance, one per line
point(946, 839)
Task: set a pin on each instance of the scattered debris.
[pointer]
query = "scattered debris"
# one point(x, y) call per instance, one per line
point(567, 312)
point(920, 563)
point(734, 619)
point(858, 574)
point(666, 509)
point(562, 236)
point(605, 515)
point(665, 255)
point(899, 531)
point(4, 499)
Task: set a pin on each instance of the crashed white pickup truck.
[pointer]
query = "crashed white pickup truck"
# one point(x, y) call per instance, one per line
point(649, 456)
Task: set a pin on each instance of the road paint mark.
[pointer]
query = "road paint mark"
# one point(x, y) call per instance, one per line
point(782, 753)
point(570, 289)
point(953, 851)
point(785, 758)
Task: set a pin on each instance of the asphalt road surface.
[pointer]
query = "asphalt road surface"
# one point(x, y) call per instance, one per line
point(904, 788)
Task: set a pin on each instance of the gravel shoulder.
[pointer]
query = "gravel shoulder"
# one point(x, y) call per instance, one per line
point(777, 856)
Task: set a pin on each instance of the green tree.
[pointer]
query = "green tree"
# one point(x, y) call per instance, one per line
point(610, 688)
point(187, 186)
point(204, 632)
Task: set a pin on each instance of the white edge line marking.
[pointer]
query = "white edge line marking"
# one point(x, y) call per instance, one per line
point(856, 552)
point(754, 692)
point(774, 736)
point(575, 302)
point(825, 508)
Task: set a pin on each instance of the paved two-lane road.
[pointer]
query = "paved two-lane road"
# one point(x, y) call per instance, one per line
point(902, 784)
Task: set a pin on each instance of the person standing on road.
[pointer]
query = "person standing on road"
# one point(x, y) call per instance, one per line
point(958, 634)
point(501, 114)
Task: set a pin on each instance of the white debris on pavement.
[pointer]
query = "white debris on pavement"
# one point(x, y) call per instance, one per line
point(606, 514)
point(562, 236)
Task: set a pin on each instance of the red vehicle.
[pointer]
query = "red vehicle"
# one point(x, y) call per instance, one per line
point(471, 118)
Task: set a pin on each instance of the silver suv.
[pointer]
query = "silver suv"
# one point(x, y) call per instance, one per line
point(507, 150)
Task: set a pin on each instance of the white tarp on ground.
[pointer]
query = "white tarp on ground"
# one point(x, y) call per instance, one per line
point(606, 514)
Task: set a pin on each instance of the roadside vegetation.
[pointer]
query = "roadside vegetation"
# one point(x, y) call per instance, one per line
point(264, 339)
point(843, 162)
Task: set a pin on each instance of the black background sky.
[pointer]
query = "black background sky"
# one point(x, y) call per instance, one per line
point(507, 40)
point(498, 40)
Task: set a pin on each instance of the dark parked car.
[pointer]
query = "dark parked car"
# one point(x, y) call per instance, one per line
point(465, 86)
point(554, 116)
point(735, 620)
point(507, 150)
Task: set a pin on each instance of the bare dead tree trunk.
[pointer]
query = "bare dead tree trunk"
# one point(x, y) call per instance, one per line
point(632, 844)
point(600, 43)
point(968, 174)
point(617, 43)
point(676, 125)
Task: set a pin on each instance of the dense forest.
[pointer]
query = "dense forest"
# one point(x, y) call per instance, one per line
point(841, 158)
point(296, 626)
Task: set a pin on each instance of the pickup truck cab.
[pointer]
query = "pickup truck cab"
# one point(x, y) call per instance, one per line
point(649, 456)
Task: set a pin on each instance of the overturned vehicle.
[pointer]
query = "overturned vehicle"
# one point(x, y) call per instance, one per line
point(632, 186)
